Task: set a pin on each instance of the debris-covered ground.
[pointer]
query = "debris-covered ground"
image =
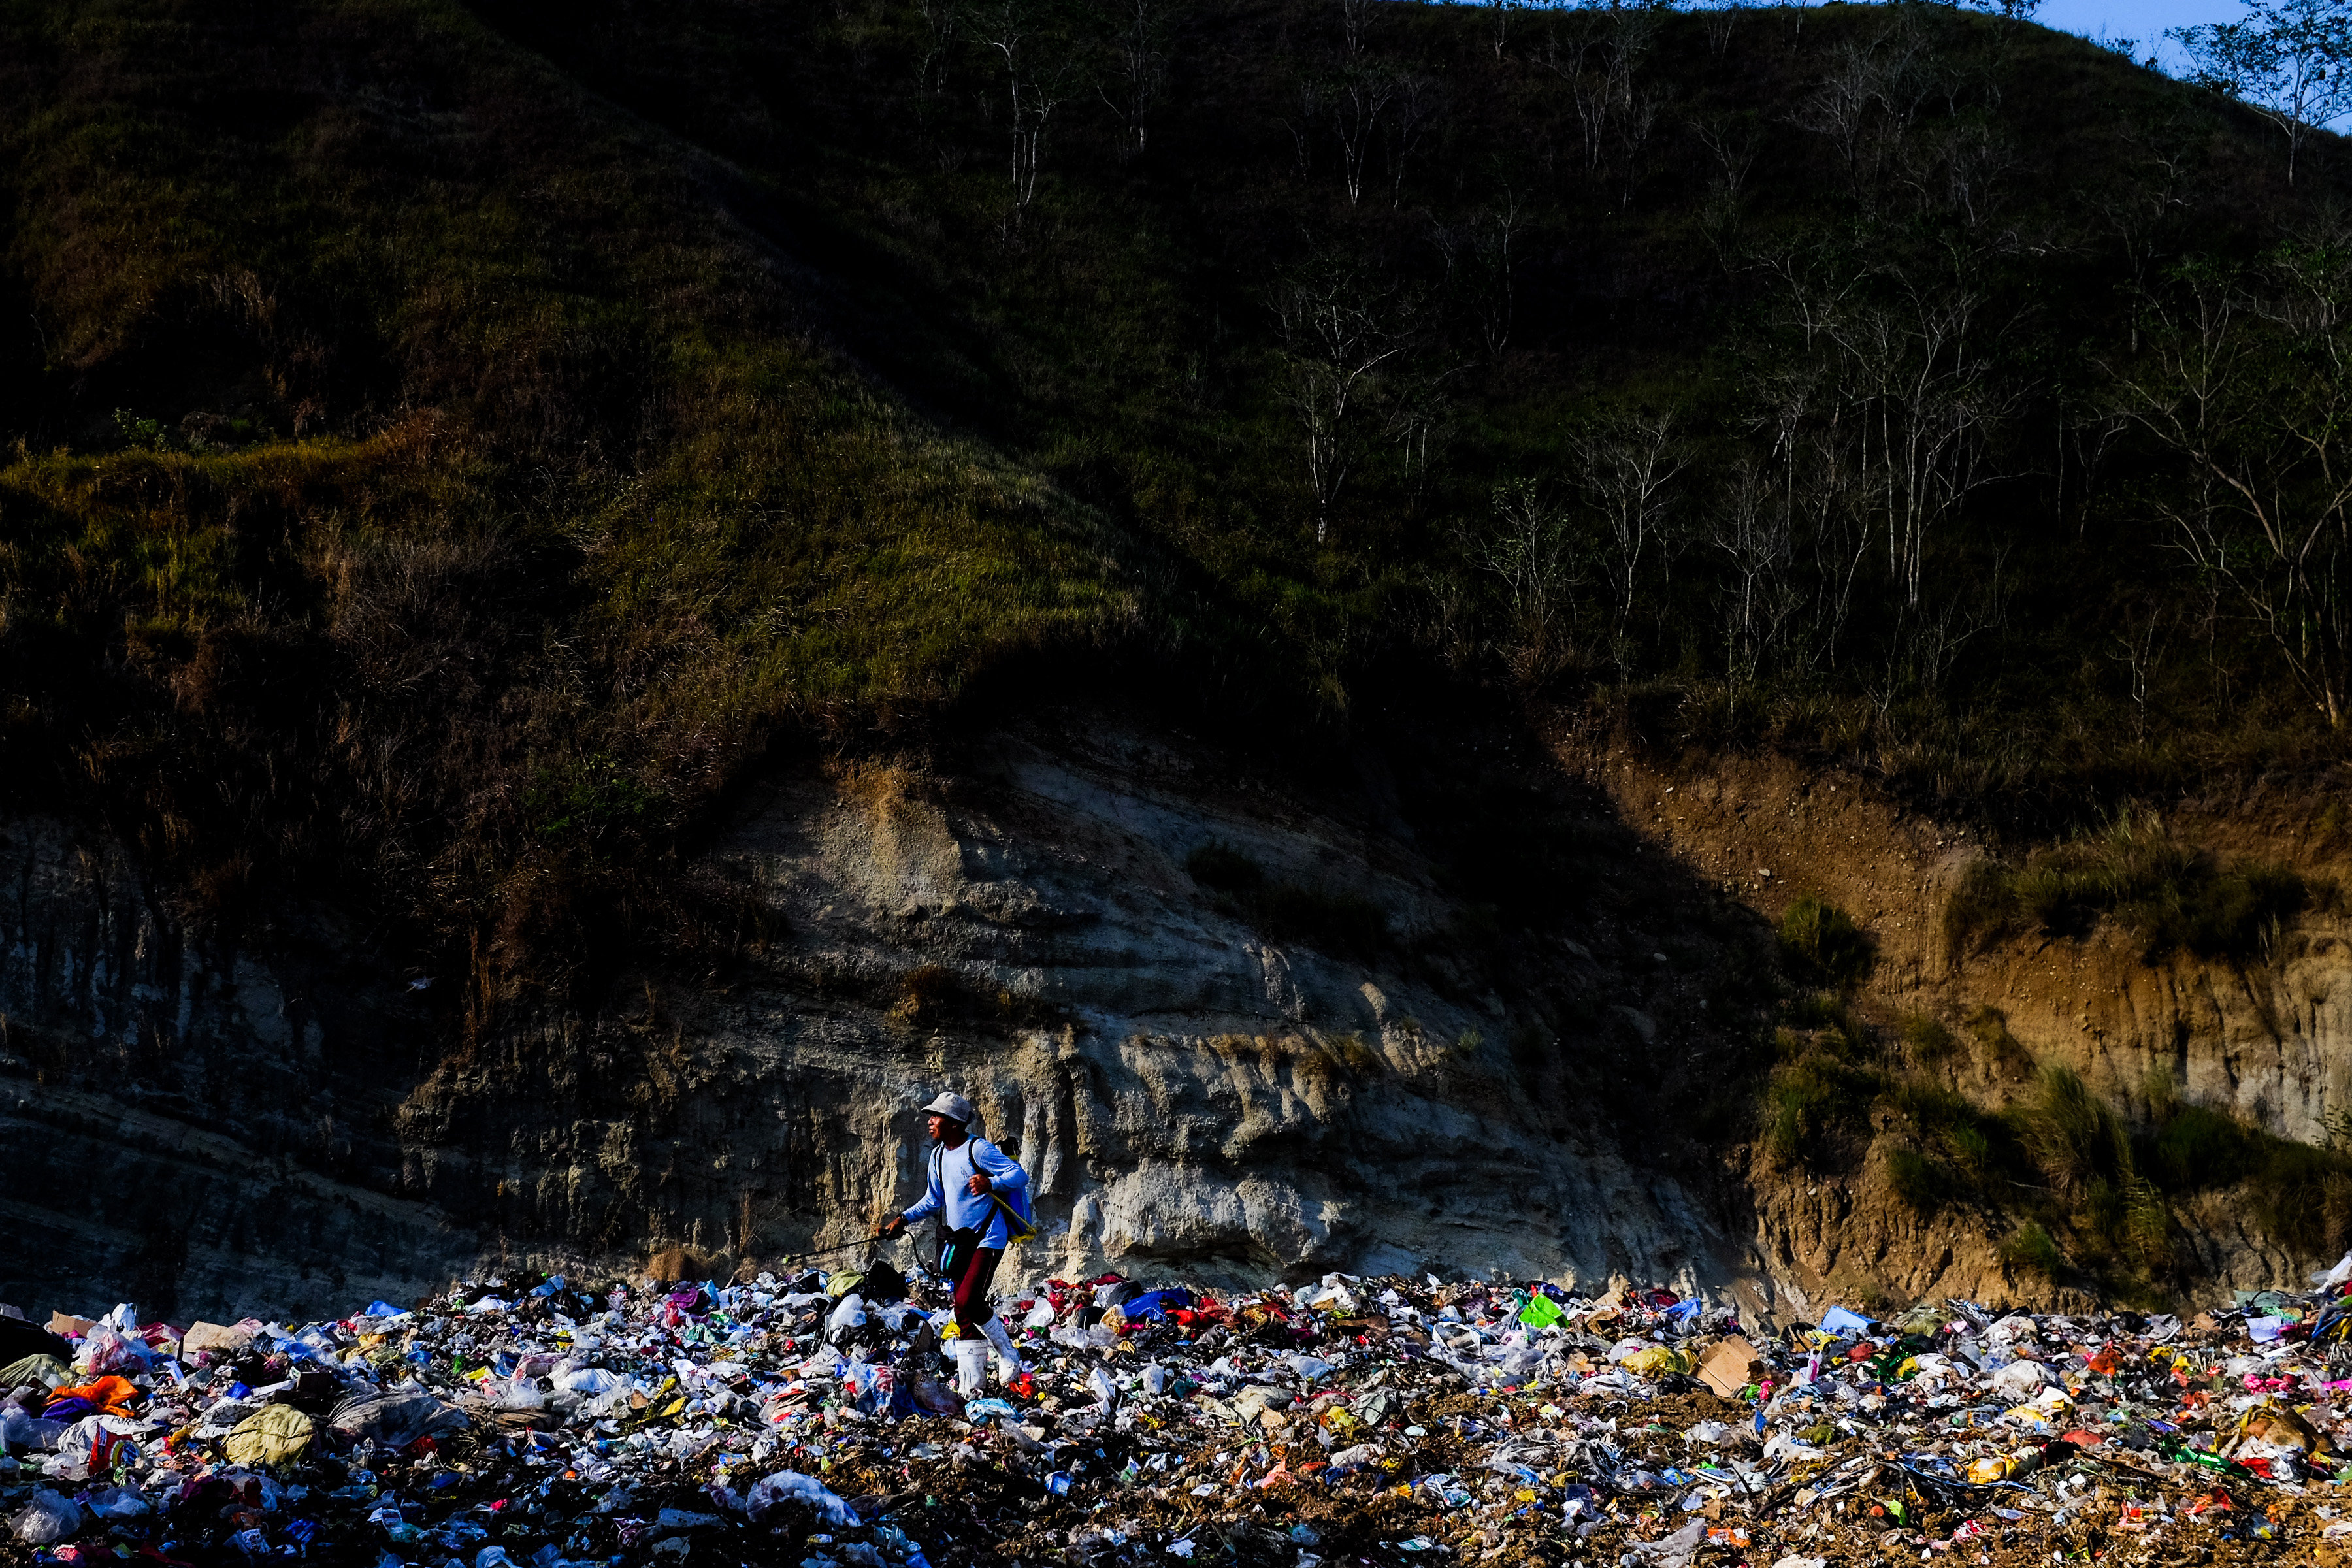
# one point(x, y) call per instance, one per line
point(517, 1422)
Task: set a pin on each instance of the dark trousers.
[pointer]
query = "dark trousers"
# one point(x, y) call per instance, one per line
point(973, 1270)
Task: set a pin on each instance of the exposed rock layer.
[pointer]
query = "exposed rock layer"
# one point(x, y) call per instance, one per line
point(286, 1124)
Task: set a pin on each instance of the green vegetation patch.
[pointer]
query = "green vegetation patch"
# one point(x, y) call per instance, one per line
point(1823, 946)
point(2167, 896)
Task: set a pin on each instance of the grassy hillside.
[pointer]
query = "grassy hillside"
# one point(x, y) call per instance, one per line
point(427, 493)
point(449, 442)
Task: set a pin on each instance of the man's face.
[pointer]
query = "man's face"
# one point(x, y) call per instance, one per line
point(944, 1128)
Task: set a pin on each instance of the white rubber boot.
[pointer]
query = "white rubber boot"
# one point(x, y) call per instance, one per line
point(1009, 1364)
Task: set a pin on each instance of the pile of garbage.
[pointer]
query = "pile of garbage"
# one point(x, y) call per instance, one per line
point(837, 1421)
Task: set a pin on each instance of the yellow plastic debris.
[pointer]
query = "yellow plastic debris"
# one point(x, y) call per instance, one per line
point(270, 1435)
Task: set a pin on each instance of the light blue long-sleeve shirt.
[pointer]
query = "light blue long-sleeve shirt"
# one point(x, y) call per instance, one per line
point(951, 1172)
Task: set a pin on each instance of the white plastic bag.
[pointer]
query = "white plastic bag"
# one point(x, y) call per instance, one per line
point(45, 1518)
point(116, 1502)
point(590, 1379)
point(791, 1486)
point(20, 1430)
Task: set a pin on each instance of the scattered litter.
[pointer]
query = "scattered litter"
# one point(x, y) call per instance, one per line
point(829, 1420)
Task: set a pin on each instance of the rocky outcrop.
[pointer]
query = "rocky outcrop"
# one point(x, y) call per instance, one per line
point(1194, 1084)
point(1187, 1092)
point(2264, 1040)
point(1352, 1064)
point(2269, 1040)
point(193, 1125)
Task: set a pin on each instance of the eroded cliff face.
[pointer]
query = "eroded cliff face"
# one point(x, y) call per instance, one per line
point(1197, 1080)
point(2268, 1041)
point(1187, 1092)
point(189, 1124)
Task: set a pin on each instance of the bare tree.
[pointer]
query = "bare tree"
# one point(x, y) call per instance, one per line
point(1598, 60)
point(1901, 386)
point(1927, 398)
point(2138, 649)
point(1337, 331)
point(1753, 532)
point(1626, 469)
point(1483, 248)
point(2139, 211)
point(1871, 93)
point(1314, 97)
point(2252, 388)
point(1499, 13)
point(1956, 168)
point(1356, 27)
point(935, 50)
point(1730, 139)
point(1037, 73)
point(1531, 548)
point(1139, 52)
point(1720, 19)
point(1417, 102)
point(1359, 96)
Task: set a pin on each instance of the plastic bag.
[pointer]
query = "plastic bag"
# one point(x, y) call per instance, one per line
point(47, 1518)
point(933, 1397)
point(19, 1430)
point(2023, 1379)
point(590, 1379)
point(1674, 1551)
point(116, 1502)
point(106, 1351)
point(790, 1485)
point(215, 1339)
point(518, 1394)
point(394, 1421)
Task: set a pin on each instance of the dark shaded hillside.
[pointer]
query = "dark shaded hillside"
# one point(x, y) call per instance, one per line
point(1902, 265)
point(429, 494)
point(455, 441)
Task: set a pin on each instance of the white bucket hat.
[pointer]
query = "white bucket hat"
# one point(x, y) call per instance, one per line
point(954, 1107)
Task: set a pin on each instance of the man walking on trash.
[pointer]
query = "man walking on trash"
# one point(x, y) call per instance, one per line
point(965, 1170)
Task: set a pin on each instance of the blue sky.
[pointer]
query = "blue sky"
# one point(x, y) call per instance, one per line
point(2144, 20)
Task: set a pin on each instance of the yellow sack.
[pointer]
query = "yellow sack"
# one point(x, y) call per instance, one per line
point(270, 1435)
point(1991, 1468)
point(1659, 1358)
